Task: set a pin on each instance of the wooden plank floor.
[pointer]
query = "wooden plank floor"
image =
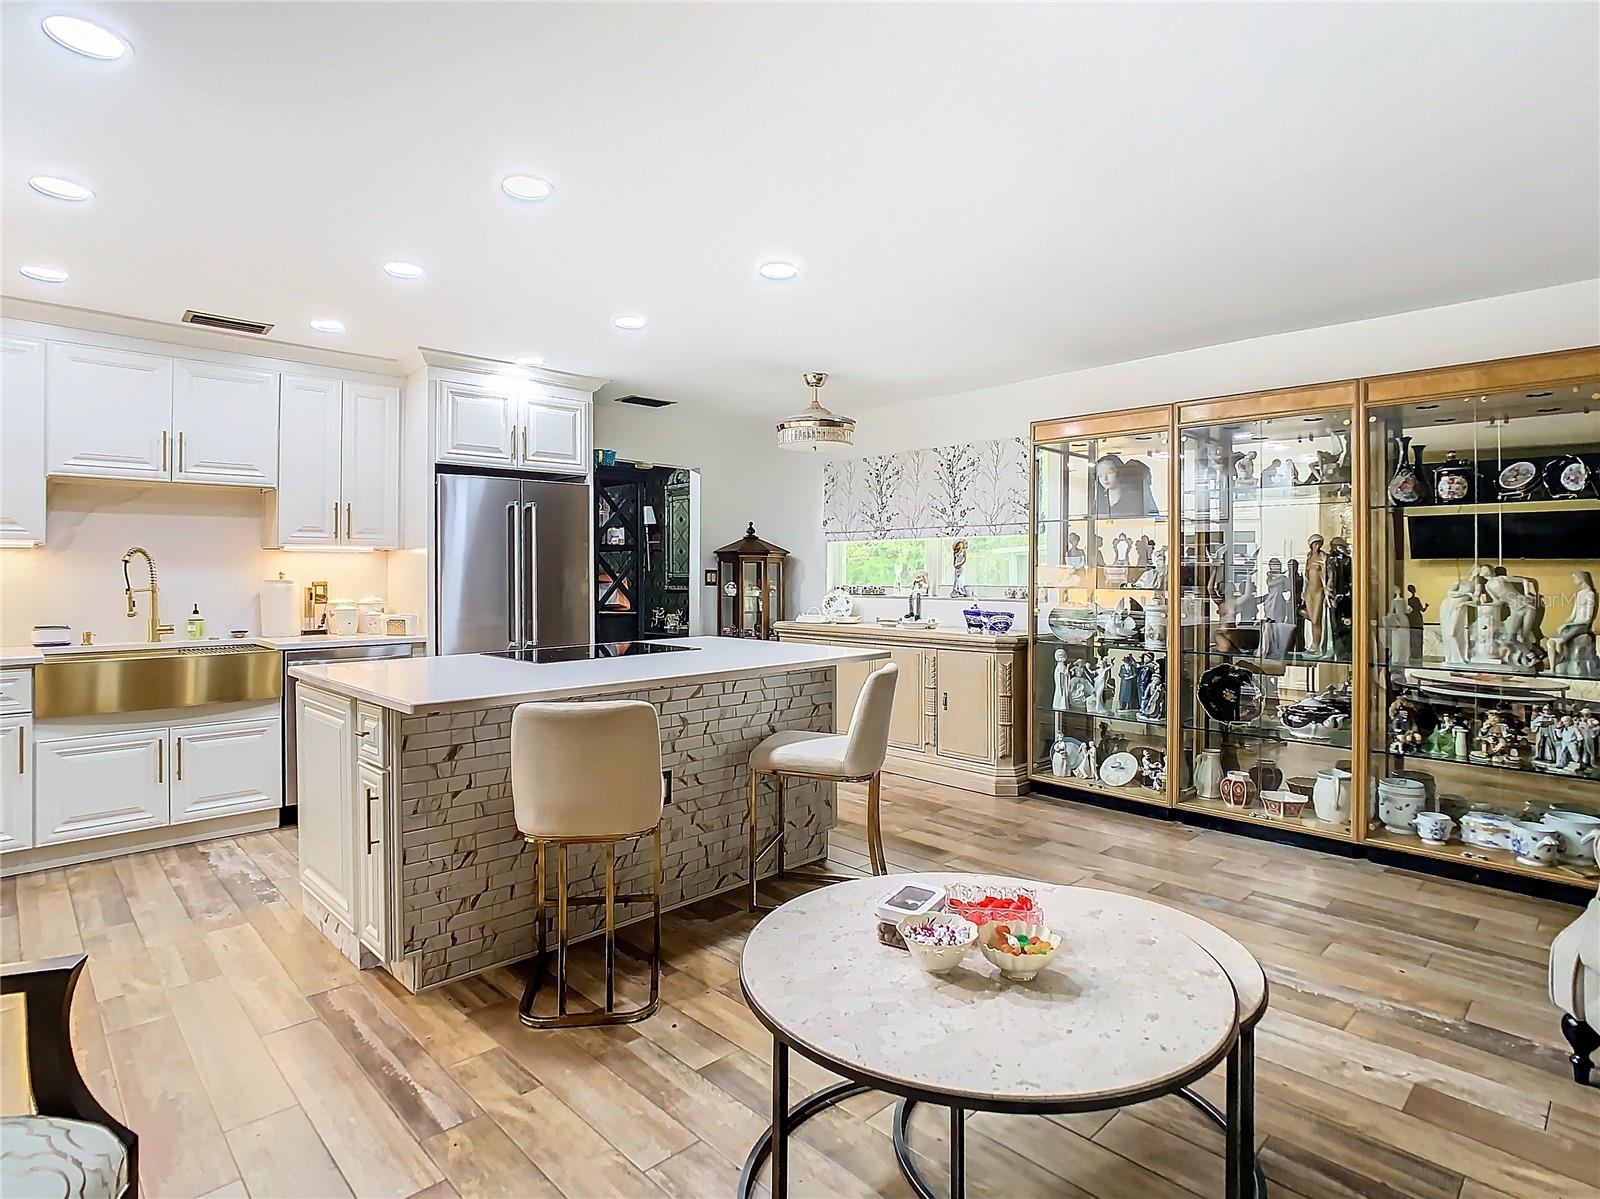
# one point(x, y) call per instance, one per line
point(1409, 1051)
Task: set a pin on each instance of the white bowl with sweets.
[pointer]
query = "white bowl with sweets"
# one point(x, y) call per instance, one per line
point(937, 940)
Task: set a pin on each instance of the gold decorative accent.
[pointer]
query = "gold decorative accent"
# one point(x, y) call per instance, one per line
point(816, 428)
point(146, 680)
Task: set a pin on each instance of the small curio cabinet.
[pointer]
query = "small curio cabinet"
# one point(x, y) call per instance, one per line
point(750, 587)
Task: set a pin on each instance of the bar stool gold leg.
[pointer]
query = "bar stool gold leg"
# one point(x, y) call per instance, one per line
point(783, 827)
point(561, 929)
point(755, 860)
point(611, 926)
point(880, 865)
point(655, 920)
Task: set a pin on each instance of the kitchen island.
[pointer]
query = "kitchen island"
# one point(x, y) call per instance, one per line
point(409, 853)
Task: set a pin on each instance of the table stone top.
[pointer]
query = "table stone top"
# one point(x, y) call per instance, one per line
point(1129, 1004)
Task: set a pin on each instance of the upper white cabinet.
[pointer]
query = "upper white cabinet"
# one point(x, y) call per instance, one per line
point(513, 425)
point(224, 424)
point(22, 445)
point(339, 470)
point(122, 414)
point(479, 424)
point(110, 413)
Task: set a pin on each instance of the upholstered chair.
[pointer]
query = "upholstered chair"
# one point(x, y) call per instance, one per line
point(1575, 987)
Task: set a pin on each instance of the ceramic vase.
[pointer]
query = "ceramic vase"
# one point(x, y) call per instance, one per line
point(1208, 774)
point(1405, 485)
point(1433, 827)
point(1330, 797)
point(1534, 844)
point(1399, 801)
point(1237, 789)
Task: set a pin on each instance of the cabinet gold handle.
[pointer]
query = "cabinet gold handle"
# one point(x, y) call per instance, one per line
point(336, 522)
point(371, 795)
point(524, 443)
point(180, 449)
point(22, 751)
point(348, 523)
point(163, 449)
point(161, 757)
point(178, 773)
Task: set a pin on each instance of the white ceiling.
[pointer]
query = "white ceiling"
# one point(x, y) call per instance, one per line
point(975, 194)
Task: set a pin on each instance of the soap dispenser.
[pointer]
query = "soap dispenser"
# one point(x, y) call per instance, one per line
point(197, 625)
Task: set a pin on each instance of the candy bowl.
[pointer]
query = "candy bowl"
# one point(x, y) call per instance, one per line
point(982, 904)
point(937, 940)
point(1019, 951)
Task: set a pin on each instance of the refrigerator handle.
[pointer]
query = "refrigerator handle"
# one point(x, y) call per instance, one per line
point(530, 555)
point(514, 553)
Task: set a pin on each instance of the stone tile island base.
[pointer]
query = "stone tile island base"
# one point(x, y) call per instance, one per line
point(467, 877)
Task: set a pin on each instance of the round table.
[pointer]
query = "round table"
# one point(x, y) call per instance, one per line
point(1134, 1006)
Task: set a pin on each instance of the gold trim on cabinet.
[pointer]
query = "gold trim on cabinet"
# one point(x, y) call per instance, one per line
point(180, 450)
point(177, 767)
point(349, 521)
point(1321, 397)
point(1150, 419)
point(163, 449)
point(1498, 374)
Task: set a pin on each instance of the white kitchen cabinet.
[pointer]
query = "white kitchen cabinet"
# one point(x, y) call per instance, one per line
point(96, 785)
point(478, 424)
point(371, 868)
point(557, 433)
point(16, 782)
point(325, 763)
point(110, 412)
point(308, 503)
point(339, 465)
point(224, 424)
point(22, 446)
point(370, 465)
point(223, 768)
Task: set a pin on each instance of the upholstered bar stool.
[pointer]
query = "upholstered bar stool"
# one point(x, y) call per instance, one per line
point(855, 756)
point(587, 774)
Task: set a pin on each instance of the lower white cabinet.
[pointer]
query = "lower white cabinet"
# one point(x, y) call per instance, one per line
point(100, 784)
point(224, 768)
point(325, 763)
point(16, 782)
point(370, 858)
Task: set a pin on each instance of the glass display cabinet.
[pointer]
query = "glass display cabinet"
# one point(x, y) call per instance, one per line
point(750, 587)
point(1268, 549)
point(1484, 737)
point(1101, 577)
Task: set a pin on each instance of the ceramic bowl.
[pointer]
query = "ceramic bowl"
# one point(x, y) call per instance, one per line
point(1025, 966)
point(936, 959)
point(1283, 805)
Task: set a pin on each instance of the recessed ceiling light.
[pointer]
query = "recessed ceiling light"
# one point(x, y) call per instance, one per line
point(629, 321)
point(527, 360)
point(403, 270)
point(328, 325)
point(59, 189)
point(778, 270)
point(526, 187)
point(43, 274)
point(84, 37)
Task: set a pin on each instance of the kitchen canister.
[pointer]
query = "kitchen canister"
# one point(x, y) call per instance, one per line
point(280, 616)
point(369, 615)
point(344, 618)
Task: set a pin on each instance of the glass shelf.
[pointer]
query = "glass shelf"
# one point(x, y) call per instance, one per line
point(1332, 739)
point(1306, 822)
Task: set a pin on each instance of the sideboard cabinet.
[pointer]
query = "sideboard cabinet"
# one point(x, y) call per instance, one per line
point(956, 717)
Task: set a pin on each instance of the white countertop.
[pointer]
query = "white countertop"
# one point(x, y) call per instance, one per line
point(465, 681)
point(21, 655)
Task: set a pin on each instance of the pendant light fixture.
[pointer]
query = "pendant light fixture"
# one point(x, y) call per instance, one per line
point(816, 428)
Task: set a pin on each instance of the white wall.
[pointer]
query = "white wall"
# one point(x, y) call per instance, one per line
point(1555, 318)
point(743, 477)
point(207, 546)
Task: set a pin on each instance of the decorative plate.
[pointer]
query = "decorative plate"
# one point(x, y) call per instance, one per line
point(1229, 693)
point(1566, 476)
point(1517, 476)
point(1074, 752)
point(1119, 769)
point(838, 603)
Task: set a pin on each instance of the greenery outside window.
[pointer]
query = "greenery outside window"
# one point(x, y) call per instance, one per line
point(995, 564)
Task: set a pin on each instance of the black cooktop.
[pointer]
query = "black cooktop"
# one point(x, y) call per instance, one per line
point(582, 653)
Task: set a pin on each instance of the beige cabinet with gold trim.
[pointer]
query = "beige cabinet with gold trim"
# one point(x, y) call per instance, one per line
point(955, 719)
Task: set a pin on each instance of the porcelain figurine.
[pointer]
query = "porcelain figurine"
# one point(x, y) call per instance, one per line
point(1455, 618)
point(958, 562)
point(1274, 474)
point(1104, 685)
point(1058, 758)
point(1277, 612)
point(1080, 687)
point(1397, 629)
point(1153, 770)
point(1314, 597)
point(1518, 641)
point(1405, 732)
point(1208, 774)
point(1244, 466)
point(1441, 743)
point(1543, 728)
point(1340, 581)
point(1496, 740)
point(1060, 675)
point(1589, 726)
point(1570, 750)
point(1239, 629)
point(1088, 766)
point(1154, 704)
point(1128, 685)
point(1572, 648)
point(1074, 555)
point(1237, 789)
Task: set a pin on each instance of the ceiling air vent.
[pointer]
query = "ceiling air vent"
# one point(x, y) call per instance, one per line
point(232, 324)
point(645, 401)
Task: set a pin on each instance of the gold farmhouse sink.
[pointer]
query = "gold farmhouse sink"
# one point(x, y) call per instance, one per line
point(141, 680)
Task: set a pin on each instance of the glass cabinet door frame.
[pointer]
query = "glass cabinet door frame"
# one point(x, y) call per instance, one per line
point(1314, 400)
point(1161, 419)
point(1538, 372)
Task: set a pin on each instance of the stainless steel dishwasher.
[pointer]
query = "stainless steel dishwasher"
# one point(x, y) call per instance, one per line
point(307, 657)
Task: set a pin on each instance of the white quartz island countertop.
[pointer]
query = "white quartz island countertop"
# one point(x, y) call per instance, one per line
point(461, 682)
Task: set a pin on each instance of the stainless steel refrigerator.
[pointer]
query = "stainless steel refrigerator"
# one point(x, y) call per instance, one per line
point(512, 567)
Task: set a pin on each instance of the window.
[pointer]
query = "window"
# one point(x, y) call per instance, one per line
point(994, 564)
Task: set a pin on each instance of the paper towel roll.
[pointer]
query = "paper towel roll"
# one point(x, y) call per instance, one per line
point(278, 618)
